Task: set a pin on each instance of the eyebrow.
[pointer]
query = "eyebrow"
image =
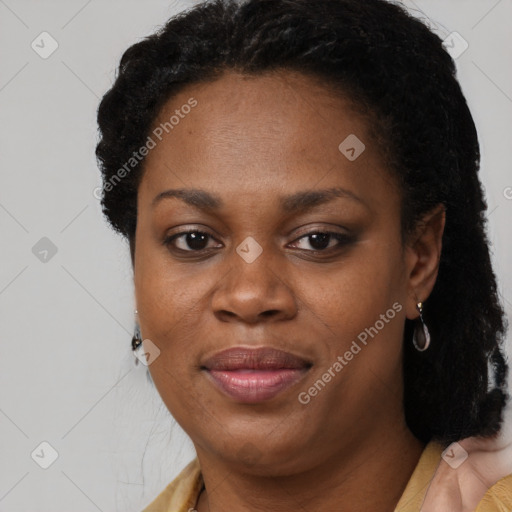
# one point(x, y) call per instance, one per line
point(299, 201)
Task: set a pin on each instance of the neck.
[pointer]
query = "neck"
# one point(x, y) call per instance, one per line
point(371, 477)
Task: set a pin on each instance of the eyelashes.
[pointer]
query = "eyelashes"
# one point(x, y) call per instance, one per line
point(194, 238)
point(321, 236)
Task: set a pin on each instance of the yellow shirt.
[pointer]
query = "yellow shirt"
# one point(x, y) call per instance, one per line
point(182, 493)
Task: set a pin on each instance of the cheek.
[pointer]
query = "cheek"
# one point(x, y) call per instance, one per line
point(363, 306)
point(169, 301)
point(166, 291)
point(171, 306)
point(364, 286)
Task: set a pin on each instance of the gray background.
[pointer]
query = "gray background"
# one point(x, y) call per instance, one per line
point(66, 370)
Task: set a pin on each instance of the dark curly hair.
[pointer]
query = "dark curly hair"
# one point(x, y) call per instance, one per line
point(398, 73)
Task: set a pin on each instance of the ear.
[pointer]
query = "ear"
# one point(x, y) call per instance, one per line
point(422, 256)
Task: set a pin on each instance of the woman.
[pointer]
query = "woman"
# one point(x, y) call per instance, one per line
point(298, 184)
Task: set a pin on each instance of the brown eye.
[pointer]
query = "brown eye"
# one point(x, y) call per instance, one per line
point(190, 241)
point(320, 240)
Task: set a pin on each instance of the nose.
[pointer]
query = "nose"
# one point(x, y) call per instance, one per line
point(254, 292)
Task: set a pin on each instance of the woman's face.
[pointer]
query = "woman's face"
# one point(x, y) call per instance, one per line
point(264, 159)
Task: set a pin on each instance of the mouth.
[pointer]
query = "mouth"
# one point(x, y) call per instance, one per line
point(254, 375)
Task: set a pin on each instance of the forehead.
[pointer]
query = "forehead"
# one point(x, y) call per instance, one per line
point(278, 131)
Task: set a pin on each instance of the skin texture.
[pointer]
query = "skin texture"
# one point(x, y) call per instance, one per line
point(251, 140)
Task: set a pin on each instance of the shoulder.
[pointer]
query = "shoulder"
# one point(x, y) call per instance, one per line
point(449, 478)
point(498, 498)
point(181, 494)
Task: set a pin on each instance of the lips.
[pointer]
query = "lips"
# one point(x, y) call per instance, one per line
point(265, 358)
point(254, 375)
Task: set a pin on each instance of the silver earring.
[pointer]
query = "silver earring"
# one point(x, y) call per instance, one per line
point(137, 337)
point(136, 343)
point(421, 336)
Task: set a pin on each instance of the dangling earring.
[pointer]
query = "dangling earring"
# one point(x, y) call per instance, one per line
point(136, 339)
point(421, 336)
point(136, 344)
